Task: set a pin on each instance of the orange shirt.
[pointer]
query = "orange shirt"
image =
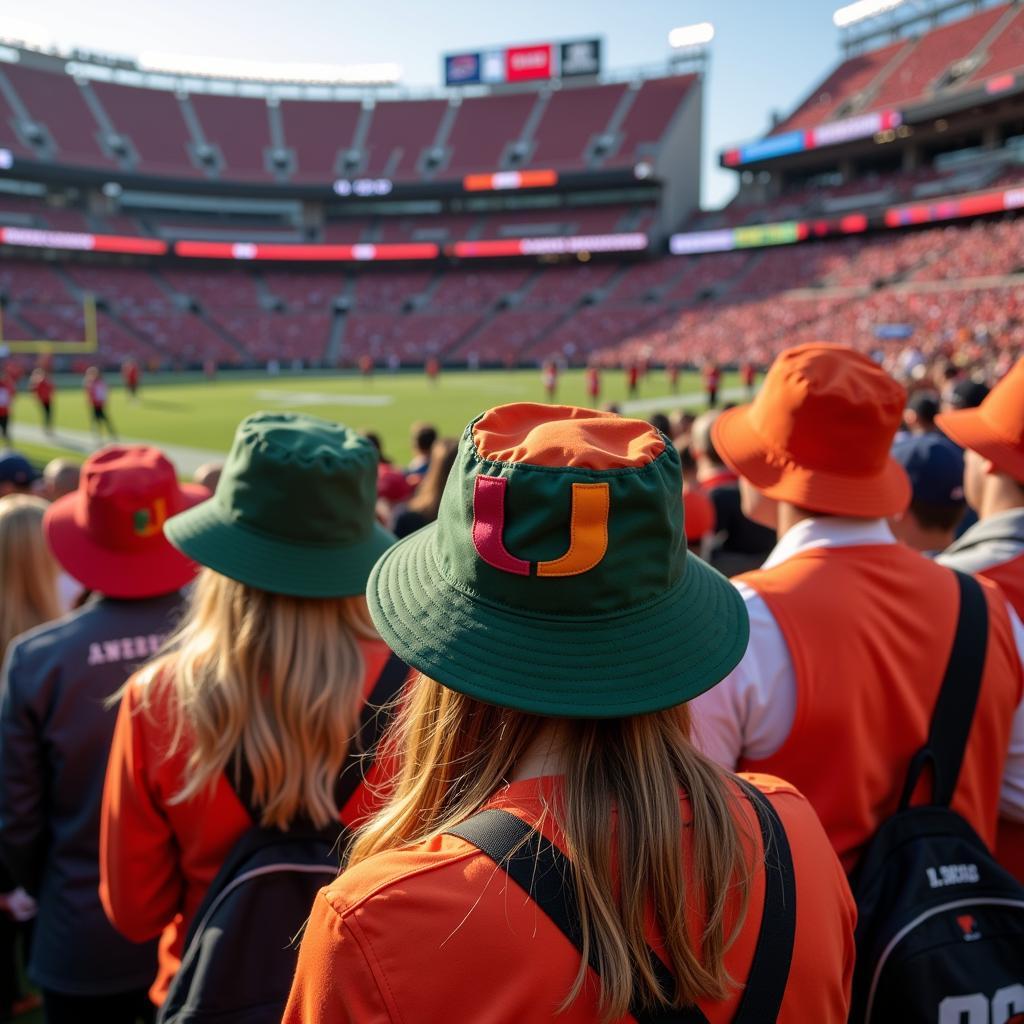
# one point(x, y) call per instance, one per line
point(157, 858)
point(435, 932)
point(869, 629)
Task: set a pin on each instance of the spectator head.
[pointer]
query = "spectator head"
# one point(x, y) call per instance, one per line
point(60, 477)
point(374, 438)
point(661, 422)
point(816, 440)
point(427, 499)
point(109, 534)
point(919, 415)
point(423, 437)
point(28, 572)
point(17, 474)
point(993, 436)
point(965, 394)
point(208, 474)
point(268, 659)
point(935, 467)
point(702, 444)
point(682, 424)
point(514, 569)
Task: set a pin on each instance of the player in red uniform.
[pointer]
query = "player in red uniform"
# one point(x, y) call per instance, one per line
point(130, 374)
point(550, 378)
point(749, 374)
point(593, 385)
point(366, 366)
point(632, 378)
point(432, 369)
point(42, 388)
point(96, 392)
point(712, 378)
point(673, 377)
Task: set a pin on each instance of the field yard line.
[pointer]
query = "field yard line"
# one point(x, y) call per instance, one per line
point(685, 401)
point(187, 460)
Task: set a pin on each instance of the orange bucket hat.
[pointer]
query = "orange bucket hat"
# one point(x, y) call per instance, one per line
point(818, 434)
point(995, 429)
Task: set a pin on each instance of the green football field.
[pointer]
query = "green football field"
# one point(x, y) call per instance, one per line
point(196, 418)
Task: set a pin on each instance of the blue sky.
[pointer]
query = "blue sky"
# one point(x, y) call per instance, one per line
point(766, 55)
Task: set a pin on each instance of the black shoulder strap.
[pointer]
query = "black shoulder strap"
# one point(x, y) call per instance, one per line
point(373, 720)
point(543, 872)
point(958, 697)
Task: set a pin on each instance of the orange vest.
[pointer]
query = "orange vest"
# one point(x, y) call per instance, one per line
point(1010, 577)
point(870, 629)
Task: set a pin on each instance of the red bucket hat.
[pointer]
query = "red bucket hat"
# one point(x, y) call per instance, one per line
point(995, 429)
point(819, 432)
point(109, 533)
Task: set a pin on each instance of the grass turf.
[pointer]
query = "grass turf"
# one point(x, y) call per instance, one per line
point(203, 414)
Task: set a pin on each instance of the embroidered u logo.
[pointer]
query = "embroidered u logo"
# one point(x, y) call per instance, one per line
point(588, 529)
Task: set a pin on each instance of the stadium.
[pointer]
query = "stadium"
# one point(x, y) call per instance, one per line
point(184, 219)
point(507, 550)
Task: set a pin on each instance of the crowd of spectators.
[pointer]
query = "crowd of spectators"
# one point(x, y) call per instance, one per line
point(208, 686)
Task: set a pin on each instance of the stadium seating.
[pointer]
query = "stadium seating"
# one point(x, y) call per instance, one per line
point(240, 128)
point(646, 121)
point(571, 119)
point(56, 101)
point(482, 131)
point(152, 120)
point(400, 132)
point(317, 132)
point(934, 54)
point(1005, 52)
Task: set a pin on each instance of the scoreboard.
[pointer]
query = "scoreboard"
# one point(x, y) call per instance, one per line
point(537, 62)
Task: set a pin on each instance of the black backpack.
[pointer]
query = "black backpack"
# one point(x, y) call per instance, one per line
point(544, 873)
point(940, 932)
point(241, 948)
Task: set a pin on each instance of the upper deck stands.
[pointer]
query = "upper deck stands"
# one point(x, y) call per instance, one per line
point(934, 54)
point(1005, 52)
point(848, 80)
point(571, 119)
point(483, 129)
point(239, 127)
point(318, 133)
point(650, 115)
point(152, 120)
point(56, 101)
point(400, 131)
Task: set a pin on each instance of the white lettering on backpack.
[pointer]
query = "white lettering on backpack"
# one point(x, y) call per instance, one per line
point(976, 1008)
point(953, 874)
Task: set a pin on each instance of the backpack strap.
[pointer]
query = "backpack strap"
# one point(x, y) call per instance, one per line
point(373, 720)
point(958, 697)
point(544, 873)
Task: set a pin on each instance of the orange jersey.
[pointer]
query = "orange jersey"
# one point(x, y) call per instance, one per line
point(435, 932)
point(869, 630)
point(157, 858)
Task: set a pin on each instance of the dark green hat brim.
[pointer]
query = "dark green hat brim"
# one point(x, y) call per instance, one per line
point(209, 537)
point(649, 657)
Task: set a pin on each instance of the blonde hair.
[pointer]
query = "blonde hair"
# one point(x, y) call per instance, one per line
point(454, 752)
point(28, 572)
point(273, 679)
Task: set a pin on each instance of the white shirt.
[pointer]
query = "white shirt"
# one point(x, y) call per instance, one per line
point(750, 713)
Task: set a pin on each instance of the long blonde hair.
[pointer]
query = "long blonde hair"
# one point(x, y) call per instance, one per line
point(28, 572)
point(454, 752)
point(273, 679)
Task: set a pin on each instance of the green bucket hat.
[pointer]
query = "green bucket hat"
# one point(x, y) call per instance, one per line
point(294, 510)
point(556, 579)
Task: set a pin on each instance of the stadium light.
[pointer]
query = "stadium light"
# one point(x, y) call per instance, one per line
point(691, 35)
point(862, 9)
point(271, 71)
